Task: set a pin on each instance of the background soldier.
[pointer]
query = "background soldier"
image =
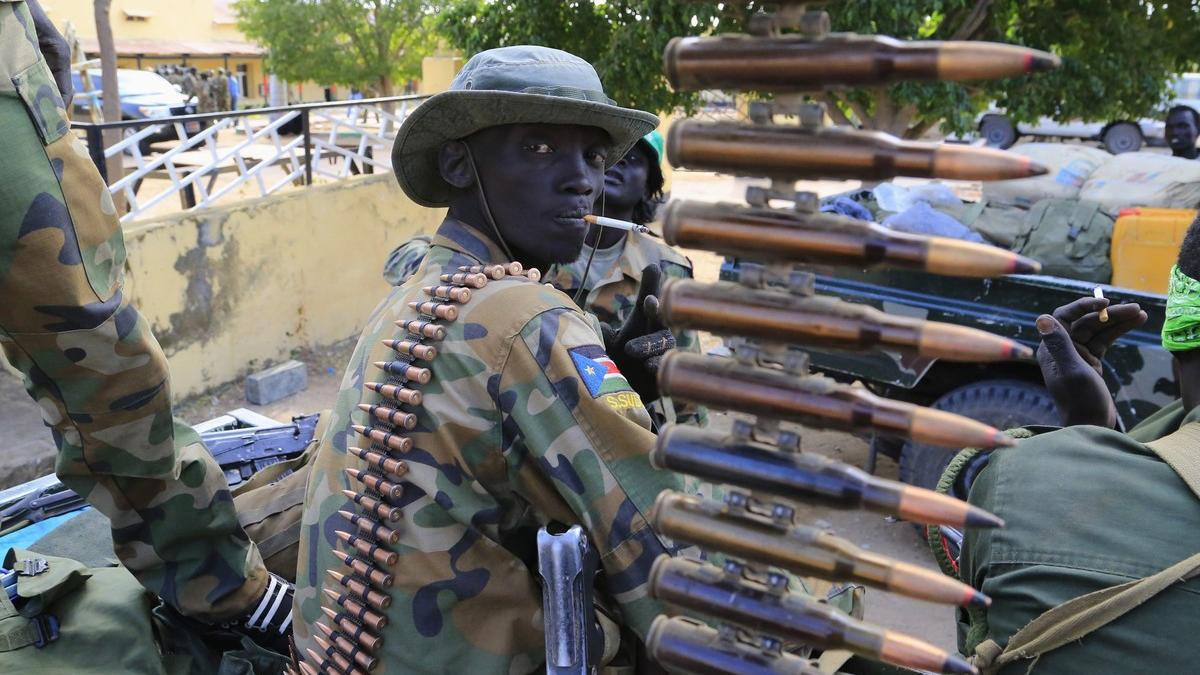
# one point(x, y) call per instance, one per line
point(220, 90)
point(90, 361)
point(189, 81)
point(1142, 495)
point(516, 419)
point(204, 94)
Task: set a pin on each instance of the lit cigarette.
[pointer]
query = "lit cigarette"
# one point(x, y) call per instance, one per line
point(613, 222)
point(1099, 294)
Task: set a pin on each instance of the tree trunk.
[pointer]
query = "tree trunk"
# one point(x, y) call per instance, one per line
point(385, 89)
point(108, 87)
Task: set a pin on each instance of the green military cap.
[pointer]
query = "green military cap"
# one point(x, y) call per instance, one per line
point(510, 85)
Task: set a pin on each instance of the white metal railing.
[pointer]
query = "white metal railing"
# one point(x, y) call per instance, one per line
point(255, 157)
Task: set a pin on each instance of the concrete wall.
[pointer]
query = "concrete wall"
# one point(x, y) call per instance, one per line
point(230, 290)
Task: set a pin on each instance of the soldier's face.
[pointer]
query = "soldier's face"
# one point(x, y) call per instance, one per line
point(625, 182)
point(540, 180)
point(1181, 131)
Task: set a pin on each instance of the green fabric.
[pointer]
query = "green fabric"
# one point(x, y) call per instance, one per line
point(1181, 329)
point(1070, 237)
point(1086, 509)
point(655, 141)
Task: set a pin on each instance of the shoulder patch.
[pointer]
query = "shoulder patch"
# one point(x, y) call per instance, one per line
point(598, 372)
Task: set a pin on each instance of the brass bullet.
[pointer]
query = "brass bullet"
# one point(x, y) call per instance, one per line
point(465, 279)
point(357, 610)
point(379, 484)
point(815, 401)
point(369, 549)
point(365, 570)
point(731, 309)
point(371, 528)
point(834, 153)
point(533, 274)
point(389, 465)
point(706, 589)
point(387, 512)
point(335, 657)
point(800, 549)
point(456, 293)
point(413, 349)
point(425, 329)
point(787, 235)
point(353, 631)
point(436, 309)
point(395, 392)
point(496, 272)
point(380, 601)
point(399, 418)
point(306, 669)
point(806, 478)
point(351, 651)
point(683, 645)
point(324, 665)
point(405, 370)
point(393, 441)
point(791, 63)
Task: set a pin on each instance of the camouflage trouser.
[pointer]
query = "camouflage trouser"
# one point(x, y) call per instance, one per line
point(90, 361)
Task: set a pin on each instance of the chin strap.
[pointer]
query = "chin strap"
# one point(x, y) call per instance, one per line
point(487, 210)
point(588, 268)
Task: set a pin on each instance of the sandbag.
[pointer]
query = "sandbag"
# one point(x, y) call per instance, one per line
point(1070, 165)
point(1000, 225)
point(1144, 179)
point(1071, 238)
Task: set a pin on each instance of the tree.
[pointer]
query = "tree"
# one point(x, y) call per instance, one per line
point(370, 44)
point(108, 86)
point(1117, 55)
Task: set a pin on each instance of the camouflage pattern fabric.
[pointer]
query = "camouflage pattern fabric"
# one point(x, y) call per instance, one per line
point(522, 424)
point(90, 361)
point(219, 92)
point(611, 301)
point(205, 103)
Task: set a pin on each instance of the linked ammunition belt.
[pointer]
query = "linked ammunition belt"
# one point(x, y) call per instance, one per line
point(351, 632)
point(770, 313)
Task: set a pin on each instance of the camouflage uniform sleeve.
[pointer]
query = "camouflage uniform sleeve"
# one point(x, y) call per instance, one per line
point(404, 261)
point(570, 412)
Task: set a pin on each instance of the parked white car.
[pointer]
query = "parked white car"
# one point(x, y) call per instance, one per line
point(1116, 136)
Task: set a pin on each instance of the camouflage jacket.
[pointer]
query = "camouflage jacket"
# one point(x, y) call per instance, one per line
point(524, 421)
point(611, 301)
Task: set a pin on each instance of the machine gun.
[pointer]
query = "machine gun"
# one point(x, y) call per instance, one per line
point(240, 450)
point(771, 313)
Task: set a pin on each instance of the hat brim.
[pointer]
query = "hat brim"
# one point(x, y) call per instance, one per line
point(452, 115)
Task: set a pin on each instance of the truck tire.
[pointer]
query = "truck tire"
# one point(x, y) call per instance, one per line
point(998, 131)
point(1122, 137)
point(1003, 404)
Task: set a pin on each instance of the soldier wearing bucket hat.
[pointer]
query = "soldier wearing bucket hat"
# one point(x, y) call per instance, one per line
point(479, 404)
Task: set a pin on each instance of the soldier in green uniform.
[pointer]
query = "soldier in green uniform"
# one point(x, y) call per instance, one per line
point(89, 359)
point(480, 404)
point(1103, 527)
point(632, 192)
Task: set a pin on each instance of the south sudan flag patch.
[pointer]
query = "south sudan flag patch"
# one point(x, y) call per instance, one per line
point(598, 372)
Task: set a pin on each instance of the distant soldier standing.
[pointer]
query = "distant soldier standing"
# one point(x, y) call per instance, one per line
point(204, 94)
point(188, 82)
point(220, 90)
point(89, 359)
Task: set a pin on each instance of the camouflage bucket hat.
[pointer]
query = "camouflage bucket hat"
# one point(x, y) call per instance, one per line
point(509, 85)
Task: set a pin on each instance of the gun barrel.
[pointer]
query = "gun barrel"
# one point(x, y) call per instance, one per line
point(705, 589)
point(805, 477)
point(684, 645)
point(724, 384)
point(792, 63)
point(800, 549)
point(792, 153)
point(827, 239)
point(730, 309)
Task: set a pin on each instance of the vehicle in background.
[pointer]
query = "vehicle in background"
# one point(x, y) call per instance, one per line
point(144, 95)
point(1116, 136)
point(1137, 370)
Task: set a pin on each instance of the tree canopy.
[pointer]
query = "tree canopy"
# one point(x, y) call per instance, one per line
point(1118, 56)
point(364, 43)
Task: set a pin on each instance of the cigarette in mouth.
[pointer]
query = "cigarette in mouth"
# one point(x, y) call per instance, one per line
point(613, 222)
point(1099, 294)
